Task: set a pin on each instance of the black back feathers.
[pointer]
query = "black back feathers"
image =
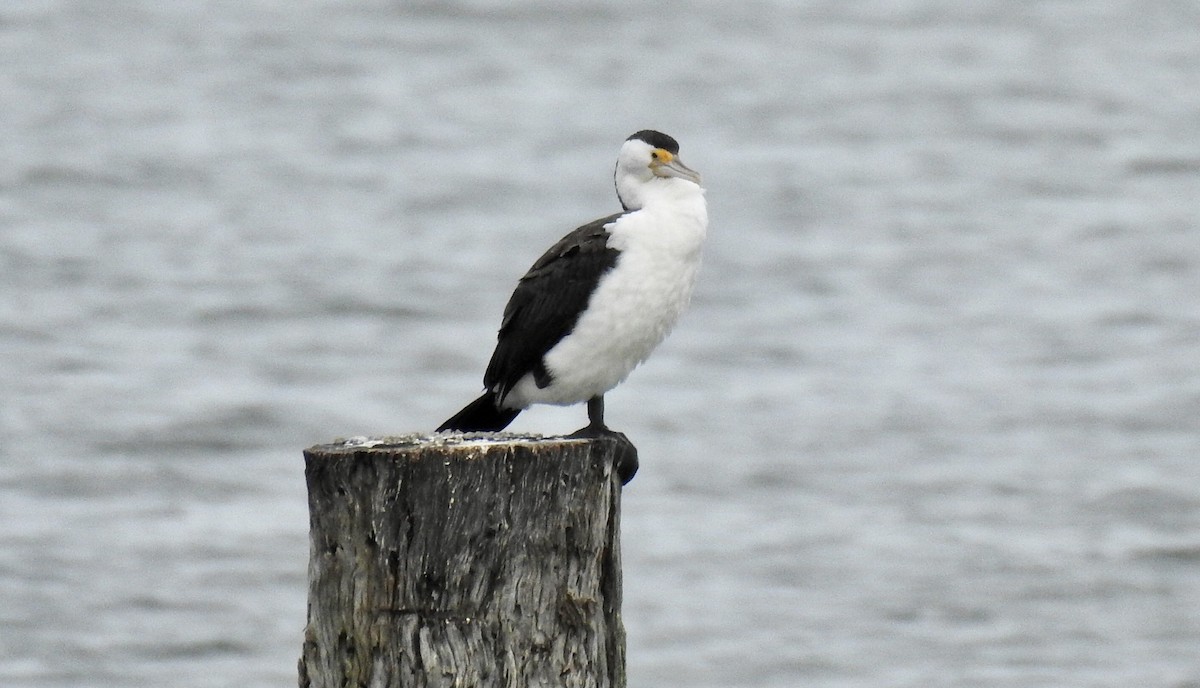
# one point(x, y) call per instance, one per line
point(546, 305)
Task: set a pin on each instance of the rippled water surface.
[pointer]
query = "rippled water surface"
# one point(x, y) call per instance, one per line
point(932, 420)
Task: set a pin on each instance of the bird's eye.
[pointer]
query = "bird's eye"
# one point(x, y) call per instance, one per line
point(654, 155)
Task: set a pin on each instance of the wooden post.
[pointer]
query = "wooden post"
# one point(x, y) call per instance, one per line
point(457, 561)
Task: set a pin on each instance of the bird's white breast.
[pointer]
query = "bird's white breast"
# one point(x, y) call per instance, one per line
point(635, 304)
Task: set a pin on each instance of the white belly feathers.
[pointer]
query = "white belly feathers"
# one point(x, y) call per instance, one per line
point(634, 306)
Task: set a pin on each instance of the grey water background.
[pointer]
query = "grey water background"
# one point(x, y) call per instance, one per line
point(932, 419)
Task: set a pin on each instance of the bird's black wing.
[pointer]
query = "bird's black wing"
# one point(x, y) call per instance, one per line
point(547, 303)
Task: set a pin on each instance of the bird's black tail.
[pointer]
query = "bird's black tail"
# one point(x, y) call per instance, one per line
point(480, 415)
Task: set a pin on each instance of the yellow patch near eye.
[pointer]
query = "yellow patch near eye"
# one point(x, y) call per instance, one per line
point(662, 156)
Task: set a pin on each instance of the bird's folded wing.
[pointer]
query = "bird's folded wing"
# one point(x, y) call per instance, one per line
point(547, 303)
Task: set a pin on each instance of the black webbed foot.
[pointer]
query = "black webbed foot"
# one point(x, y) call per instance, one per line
point(627, 455)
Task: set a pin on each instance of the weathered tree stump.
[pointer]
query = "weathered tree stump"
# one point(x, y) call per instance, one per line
point(454, 561)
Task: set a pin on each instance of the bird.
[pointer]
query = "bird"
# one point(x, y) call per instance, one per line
point(598, 302)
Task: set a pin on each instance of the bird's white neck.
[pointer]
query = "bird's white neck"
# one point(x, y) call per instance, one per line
point(636, 194)
point(672, 220)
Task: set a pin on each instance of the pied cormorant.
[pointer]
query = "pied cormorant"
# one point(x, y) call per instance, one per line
point(597, 303)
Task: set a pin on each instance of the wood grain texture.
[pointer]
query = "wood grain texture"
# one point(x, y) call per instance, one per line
point(455, 564)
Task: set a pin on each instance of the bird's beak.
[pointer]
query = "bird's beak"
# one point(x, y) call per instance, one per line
point(667, 165)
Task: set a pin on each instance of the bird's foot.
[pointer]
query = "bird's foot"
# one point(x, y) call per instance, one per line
point(627, 455)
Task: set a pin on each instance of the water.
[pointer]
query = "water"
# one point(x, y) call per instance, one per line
point(932, 420)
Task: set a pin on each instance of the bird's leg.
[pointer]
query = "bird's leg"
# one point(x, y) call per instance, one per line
point(595, 426)
point(595, 407)
point(627, 456)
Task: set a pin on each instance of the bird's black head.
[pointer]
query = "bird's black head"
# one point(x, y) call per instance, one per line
point(657, 139)
point(645, 157)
